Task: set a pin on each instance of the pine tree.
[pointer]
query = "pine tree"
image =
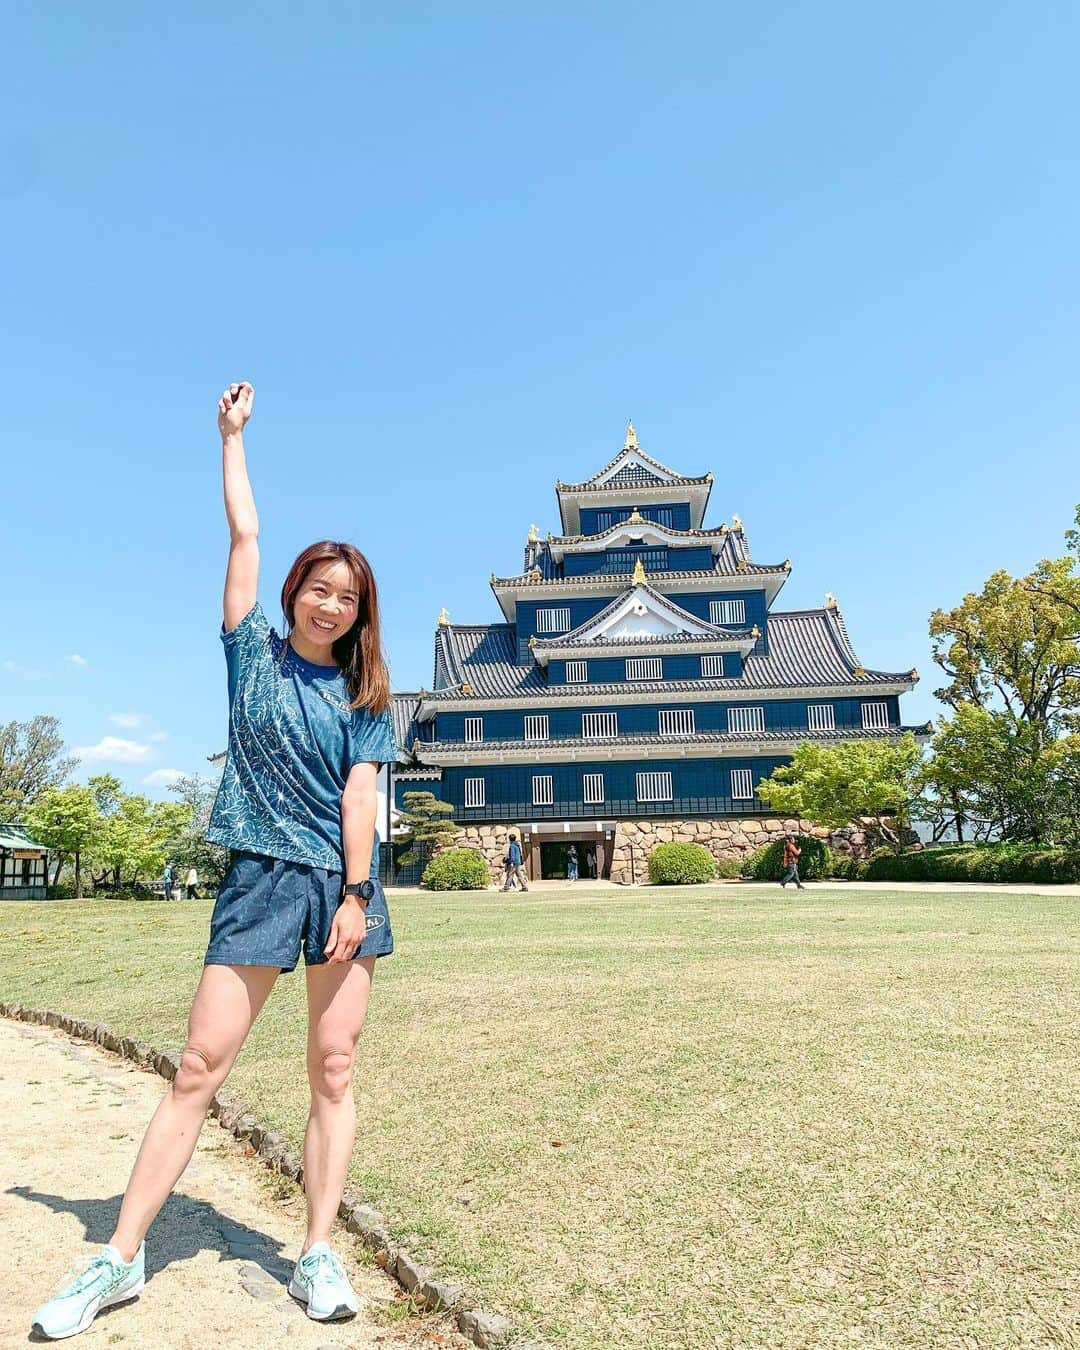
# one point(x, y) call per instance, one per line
point(426, 827)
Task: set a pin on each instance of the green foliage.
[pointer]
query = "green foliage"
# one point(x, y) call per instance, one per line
point(426, 825)
point(456, 869)
point(1002, 777)
point(31, 759)
point(728, 869)
point(67, 820)
point(846, 867)
point(190, 847)
point(767, 864)
point(681, 865)
point(835, 785)
point(980, 862)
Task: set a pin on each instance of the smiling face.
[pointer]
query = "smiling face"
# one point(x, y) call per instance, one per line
point(324, 610)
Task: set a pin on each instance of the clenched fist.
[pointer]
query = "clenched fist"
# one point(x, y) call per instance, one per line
point(234, 408)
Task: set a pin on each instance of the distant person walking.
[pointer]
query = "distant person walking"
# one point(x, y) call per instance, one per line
point(792, 854)
point(168, 876)
point(571, 864)
point(191, 884)
point(514, 865)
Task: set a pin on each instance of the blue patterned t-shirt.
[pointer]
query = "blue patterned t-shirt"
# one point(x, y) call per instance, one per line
point(292, 740)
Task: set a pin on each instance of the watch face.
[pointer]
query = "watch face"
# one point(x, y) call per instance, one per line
point(367, 889)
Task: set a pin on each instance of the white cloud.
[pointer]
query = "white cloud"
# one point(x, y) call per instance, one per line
point(127, 719)
point(163, 777)
point(114, 750)
point(76, 660)
point(158, 736)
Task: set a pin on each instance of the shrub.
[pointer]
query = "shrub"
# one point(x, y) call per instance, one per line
point(847, 867)
point(729, 869)
point(767, 864)
point(978, 862)
point(456, 869)
point(681, 865)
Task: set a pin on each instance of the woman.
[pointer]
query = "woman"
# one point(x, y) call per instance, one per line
point(308, 732)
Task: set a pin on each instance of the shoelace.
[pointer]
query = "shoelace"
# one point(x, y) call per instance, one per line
point(100, 1267)
point(313, 1266)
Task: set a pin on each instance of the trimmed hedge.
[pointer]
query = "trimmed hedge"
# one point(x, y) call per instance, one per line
point(681, 865)
point(978, 862)
point(456, 869)
point(846, 867)
point(767, 864)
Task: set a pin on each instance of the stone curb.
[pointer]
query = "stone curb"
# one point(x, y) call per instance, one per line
point(486, 1330)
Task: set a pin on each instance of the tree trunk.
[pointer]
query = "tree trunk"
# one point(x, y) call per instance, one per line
point(78, 874)
point(56, 874)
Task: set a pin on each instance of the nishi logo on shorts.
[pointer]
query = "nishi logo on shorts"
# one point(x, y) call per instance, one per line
point(375, 921)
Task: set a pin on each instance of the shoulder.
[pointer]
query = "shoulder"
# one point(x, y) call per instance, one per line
point(253, 627)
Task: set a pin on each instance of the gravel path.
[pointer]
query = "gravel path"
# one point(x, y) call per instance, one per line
point(218, 1256)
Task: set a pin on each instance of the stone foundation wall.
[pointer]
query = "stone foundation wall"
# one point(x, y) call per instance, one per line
point(723, 839)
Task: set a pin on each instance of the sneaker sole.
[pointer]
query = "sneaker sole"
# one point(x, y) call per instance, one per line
point(339, 1314)
point(91, 1313)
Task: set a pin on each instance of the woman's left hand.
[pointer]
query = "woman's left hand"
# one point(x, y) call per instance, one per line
point(347, 931)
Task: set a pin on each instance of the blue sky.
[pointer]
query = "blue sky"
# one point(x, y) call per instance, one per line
point(828, 252)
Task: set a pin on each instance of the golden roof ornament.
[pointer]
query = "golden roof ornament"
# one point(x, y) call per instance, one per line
point(859, 673)
point(755, 632)
point(723, 527)
point(532, 641)
point(830, 600)
point(742, 565)
point(631, 437)
point(444, 618)
point(736, 522)
point(914, 675)
point(466, 687)
point(639, 573)
point(534, 537)
point(787, 564)
point(636, 518)
point(534, 575)
point(416, 746)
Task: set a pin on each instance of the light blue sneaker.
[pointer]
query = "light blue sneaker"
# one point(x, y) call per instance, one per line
point(319, 1280)
point(106, 1280)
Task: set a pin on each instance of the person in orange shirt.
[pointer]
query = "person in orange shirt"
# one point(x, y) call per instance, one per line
point(792, 853)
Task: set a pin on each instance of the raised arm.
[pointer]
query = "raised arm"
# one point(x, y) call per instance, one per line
point(242, 574)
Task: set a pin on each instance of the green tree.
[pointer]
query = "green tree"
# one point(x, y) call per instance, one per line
point(31, 759)
point(66, 820)
point(856, 780)
point(426, 826)
point(191, 848)
point(135, 833)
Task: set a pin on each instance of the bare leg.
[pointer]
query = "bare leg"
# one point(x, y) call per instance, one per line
point(337, 1001)
point(226, 1005)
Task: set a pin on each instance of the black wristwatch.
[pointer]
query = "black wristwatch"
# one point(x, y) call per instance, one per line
point(364, 889)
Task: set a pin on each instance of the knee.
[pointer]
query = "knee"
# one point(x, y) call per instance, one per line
point(331, 1072)
point(198, 1073)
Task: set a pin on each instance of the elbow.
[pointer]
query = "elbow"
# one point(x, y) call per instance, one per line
point(244, 533)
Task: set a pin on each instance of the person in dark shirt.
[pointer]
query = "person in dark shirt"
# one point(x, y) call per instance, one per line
point(513, 864)
point(792, 853)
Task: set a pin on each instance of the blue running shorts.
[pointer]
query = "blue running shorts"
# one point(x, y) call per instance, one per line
point(268, 909)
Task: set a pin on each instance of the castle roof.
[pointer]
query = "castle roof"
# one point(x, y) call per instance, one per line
point(403, 710)
point(807, 649)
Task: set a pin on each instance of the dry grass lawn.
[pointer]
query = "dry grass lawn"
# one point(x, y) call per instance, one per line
point(681, 1119)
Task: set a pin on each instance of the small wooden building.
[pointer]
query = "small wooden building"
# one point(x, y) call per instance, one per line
point(24, 865)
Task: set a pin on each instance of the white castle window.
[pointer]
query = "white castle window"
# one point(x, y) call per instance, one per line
point(742, 785)
point(474, 729)
point(592, 785)
point(474, 792)
point(654, 787)
point(577, 672)
point(727, 611)
point(746, 719)
point(820, 717)
point(536, 726)
point(553, 620)
point(676, 721)
point(875, 716)
point(712, 667)
point(543, 789)
point(645, 668)
point(598, 726)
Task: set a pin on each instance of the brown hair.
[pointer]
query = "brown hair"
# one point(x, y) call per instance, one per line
point(359, 653)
